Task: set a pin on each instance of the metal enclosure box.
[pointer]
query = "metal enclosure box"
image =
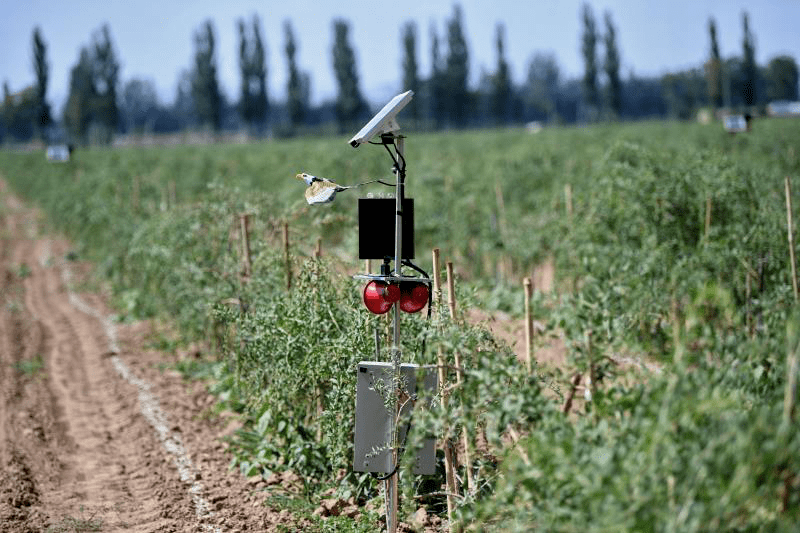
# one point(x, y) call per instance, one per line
point(374, 422)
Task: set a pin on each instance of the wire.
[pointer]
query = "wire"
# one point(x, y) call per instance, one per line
point(400, 451)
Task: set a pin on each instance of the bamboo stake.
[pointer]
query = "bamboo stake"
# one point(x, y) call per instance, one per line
point(286, 255)
point(528, 284)
point(244, 230)
point(708, 217)
point(451, 297)
point(788, 187)
point(449, 469)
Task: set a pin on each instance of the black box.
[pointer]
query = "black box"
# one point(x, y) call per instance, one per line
point(376, 221)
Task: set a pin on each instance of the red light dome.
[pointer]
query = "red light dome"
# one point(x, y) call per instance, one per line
point(413, 296)
point(379, 296)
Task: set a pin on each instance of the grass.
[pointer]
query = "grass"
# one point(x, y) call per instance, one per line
point(30, 367)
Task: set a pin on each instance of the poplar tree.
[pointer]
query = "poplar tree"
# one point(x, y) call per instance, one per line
point(714, 68)
point(589, 49)
point(781, 76)
point(436, 82)
point(253, 103)
point(457, 70)
point(611, 67)
point(410, 69)
point(82, 92)
point(296, 86)
point(205, 88)
point(501, 81)
point(42, 68)
point(749, 69)
point(350, 105)
point(106, 79)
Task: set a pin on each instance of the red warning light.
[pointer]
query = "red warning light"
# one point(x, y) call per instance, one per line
point(379, 296)
point(413, 296)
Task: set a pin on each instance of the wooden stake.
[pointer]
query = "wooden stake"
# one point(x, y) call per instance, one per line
point(528, 284)
point(504, 262)
point(789, 399)
point(576, 380)
point(790, 394)
point(451, 297)
point(592, 375)
point(244, 231)
point(451, 291)
point(568, 201)
point(788, 187)
point(747, 290)
point(318, 249)
point(286, 255)
point(708, 217)
point(449, 468)
point(135, 194)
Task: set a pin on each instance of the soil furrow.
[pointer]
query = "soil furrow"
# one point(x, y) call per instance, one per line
point(77, 449)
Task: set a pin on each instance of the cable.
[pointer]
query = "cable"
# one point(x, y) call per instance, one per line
point(400, 451)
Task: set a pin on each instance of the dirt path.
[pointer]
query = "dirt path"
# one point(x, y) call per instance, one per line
point(93, 435)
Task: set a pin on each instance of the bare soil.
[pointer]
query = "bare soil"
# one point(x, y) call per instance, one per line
point(94, 434)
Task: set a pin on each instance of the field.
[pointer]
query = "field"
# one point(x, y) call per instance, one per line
point(669, 246)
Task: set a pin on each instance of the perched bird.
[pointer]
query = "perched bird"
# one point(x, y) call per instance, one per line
point(320, 190)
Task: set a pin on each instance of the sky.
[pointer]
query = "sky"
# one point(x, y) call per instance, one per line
point(154, 39)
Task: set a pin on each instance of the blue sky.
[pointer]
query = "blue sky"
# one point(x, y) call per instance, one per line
point(153, 39)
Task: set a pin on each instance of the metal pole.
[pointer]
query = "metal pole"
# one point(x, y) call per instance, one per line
point(390, 484)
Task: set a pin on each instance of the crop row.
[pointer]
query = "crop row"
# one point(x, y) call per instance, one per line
point(671, 247)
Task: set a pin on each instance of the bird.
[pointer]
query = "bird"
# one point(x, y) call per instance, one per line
point(320, 190)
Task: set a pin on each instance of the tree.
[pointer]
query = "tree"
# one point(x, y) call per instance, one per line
point(298, 84)
point(542, 86)
point(105, 67)
point(184, 108)
point(410, 69)
point(457, 70)
point(714, 68)
point(205, 88)
point(41, 67)
point(253, 103)
point(749, 69)
point(501, 81)
point(139, 105)
point(78, 111)
point(782, 78)
point(436, 82)
point(589, 49)
point(611, 67)
point(19, 112)
point(350, 105)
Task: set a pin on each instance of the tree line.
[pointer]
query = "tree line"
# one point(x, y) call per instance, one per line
point(100, 105)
